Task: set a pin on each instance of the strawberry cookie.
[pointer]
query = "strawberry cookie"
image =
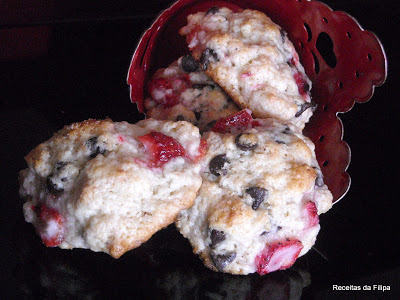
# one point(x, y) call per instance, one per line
point(182, 91)
point(257, 209)
point(253, 60)
point(109, 186)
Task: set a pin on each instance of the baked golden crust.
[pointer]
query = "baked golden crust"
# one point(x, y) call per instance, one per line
point(257, 190)
point(91, 185)
point(252, 59)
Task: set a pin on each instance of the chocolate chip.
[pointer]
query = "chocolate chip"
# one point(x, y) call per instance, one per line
point(201, 86)
point(306, 87)
point(94, 147)
point(304, 107)
point(217, 236)
point(246, 141)
point(53, 184)
point(279, 142)
point(52, 187)
point(258, 194)
point(212, 10)
point(287, 130)
point(197, 115)
point(217, 165)
point(59, 165)
point(207, 57)
point(220, 261)
point(180, 118)
point(283, 35)
point(210, 125)
point(189, 64)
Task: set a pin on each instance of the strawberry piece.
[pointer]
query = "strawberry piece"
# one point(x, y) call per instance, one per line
point(295, 59)
point(246, 75)
point(311, 214)
point(193, 35)
point(161, 90)
point(50, 225)
point(180, 83)
point(302, 84)
point(239, 121)
point(278, 256)
point(166, 91)
point(202, 151)
point(161, 147)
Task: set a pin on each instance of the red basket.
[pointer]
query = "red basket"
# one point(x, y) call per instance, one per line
point(344, 62)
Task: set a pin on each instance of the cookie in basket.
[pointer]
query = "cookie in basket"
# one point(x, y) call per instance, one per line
point(182, 91)
point(252, 59)
point(262, 192)
point(109, 186)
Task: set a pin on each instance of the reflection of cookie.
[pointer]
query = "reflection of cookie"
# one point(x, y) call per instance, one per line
point(109, 186)
point(257, 209)
point(187, 282)
point(253, 60)
point(182, 91)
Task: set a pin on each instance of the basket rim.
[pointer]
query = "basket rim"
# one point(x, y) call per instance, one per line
point(141, 57)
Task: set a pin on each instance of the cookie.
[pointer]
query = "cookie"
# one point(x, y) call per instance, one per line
point(182, 91)
point(109, 186)
point(253, 60)
point(262, 192)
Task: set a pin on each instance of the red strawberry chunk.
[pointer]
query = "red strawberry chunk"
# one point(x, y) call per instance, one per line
point(194, 34)
point(302, 84)
point(246, 75)
point(50, 225)
point(239, 121)
point(162, 92)
point(278, 256)
point(180, 83)
point(311, 214)
point(161, 147)
point(166, 91)
point(202, 150)
point(295, 59)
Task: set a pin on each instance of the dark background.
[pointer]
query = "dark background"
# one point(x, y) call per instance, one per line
point(66, 62)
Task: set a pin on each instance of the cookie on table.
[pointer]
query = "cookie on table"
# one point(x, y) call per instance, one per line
point(252, 59)
point(262, 192)
point(182, 91)
point(109, 186)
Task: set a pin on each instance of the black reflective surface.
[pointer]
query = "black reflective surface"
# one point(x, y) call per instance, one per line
point(82, 74)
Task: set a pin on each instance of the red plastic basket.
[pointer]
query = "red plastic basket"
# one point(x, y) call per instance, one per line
point(344, 62)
